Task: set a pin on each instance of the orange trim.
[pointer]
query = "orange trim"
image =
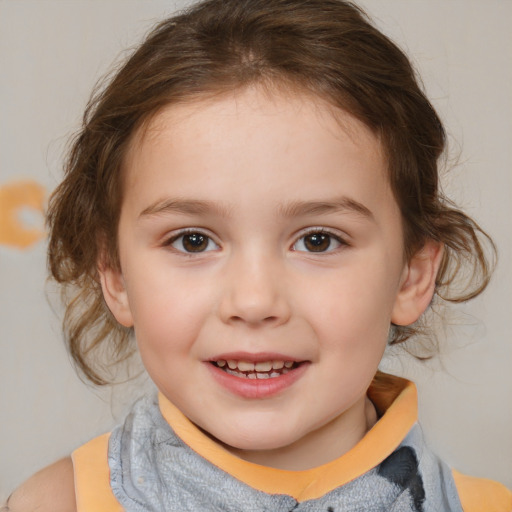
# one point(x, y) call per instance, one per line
point(92, 477)
point(376, 445)
point(482, 495)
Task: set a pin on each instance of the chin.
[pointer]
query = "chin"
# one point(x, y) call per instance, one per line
point(257, 440)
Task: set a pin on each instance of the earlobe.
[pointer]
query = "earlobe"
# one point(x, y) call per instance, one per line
point(418, 284)
point(114, 293)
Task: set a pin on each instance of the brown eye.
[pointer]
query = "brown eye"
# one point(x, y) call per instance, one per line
point(193, 242)
point(317, 241)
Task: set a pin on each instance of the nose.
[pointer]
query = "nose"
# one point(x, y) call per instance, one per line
point(254, 292)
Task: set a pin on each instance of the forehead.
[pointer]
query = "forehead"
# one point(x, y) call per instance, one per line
point(252, 135)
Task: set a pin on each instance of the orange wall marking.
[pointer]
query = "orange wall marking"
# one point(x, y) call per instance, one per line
point(16, 197)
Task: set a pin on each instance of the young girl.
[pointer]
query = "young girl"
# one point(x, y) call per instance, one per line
point(253, 200)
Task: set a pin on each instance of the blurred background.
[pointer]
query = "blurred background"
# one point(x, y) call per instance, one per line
point(52, 52)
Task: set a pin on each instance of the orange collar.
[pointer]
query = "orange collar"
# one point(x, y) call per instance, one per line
point(394, 398)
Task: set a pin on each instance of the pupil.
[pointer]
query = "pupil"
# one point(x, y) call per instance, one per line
point(195, 242)
point(317, 242)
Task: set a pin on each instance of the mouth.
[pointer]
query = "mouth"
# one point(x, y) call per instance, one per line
point(256, 376)
point(260, 370)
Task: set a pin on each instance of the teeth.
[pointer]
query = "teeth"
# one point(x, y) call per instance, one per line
point(260, 370)
point(246, 366)
point(262, 367)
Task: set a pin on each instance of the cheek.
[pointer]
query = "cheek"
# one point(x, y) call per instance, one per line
point(354, 310)
point(168, 313)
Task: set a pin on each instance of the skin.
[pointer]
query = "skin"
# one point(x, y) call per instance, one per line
point(49, 490)
point(260, 177)
point(252, 173)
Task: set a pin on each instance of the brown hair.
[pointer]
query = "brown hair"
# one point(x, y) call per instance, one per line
point(325, 47)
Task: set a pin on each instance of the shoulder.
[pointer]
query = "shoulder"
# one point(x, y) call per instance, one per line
point(50, 490)
point(482, 495)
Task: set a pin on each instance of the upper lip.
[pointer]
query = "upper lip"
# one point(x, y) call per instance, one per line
point(254, 357)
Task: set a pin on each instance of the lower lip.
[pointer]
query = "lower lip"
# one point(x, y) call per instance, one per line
point(256, 388)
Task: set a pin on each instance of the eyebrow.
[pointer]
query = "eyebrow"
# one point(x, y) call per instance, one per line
point(338, 205)
point(185, 207)
point(293, 209)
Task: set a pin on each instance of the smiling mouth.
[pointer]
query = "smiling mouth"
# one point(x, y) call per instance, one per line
point(259, 370)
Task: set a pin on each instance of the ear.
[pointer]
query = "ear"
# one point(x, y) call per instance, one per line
point(114, 293)
point(417, 284)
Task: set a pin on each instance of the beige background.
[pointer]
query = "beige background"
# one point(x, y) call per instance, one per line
point(51, 54)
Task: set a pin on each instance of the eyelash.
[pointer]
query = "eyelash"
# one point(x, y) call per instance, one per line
point(191, 231)
point(321, 231)
point(209, 241)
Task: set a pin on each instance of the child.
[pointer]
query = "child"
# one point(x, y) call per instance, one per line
point(254, 200)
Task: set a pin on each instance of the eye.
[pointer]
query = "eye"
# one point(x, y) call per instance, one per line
point(192, 242)
point(318, 241)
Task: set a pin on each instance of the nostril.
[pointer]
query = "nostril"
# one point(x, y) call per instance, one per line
point(255, 319)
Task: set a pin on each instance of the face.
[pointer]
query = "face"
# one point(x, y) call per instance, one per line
point(261, 265)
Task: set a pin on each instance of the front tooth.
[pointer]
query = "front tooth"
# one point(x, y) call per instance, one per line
point(245, 366)
point(264, 366)
point(251, 376)
point(232, 364)
point(263, 375)
point(221, 363)
point(277, 365)
point(288, 364)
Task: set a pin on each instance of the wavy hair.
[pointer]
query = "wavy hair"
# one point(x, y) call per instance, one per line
point(328, 48)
